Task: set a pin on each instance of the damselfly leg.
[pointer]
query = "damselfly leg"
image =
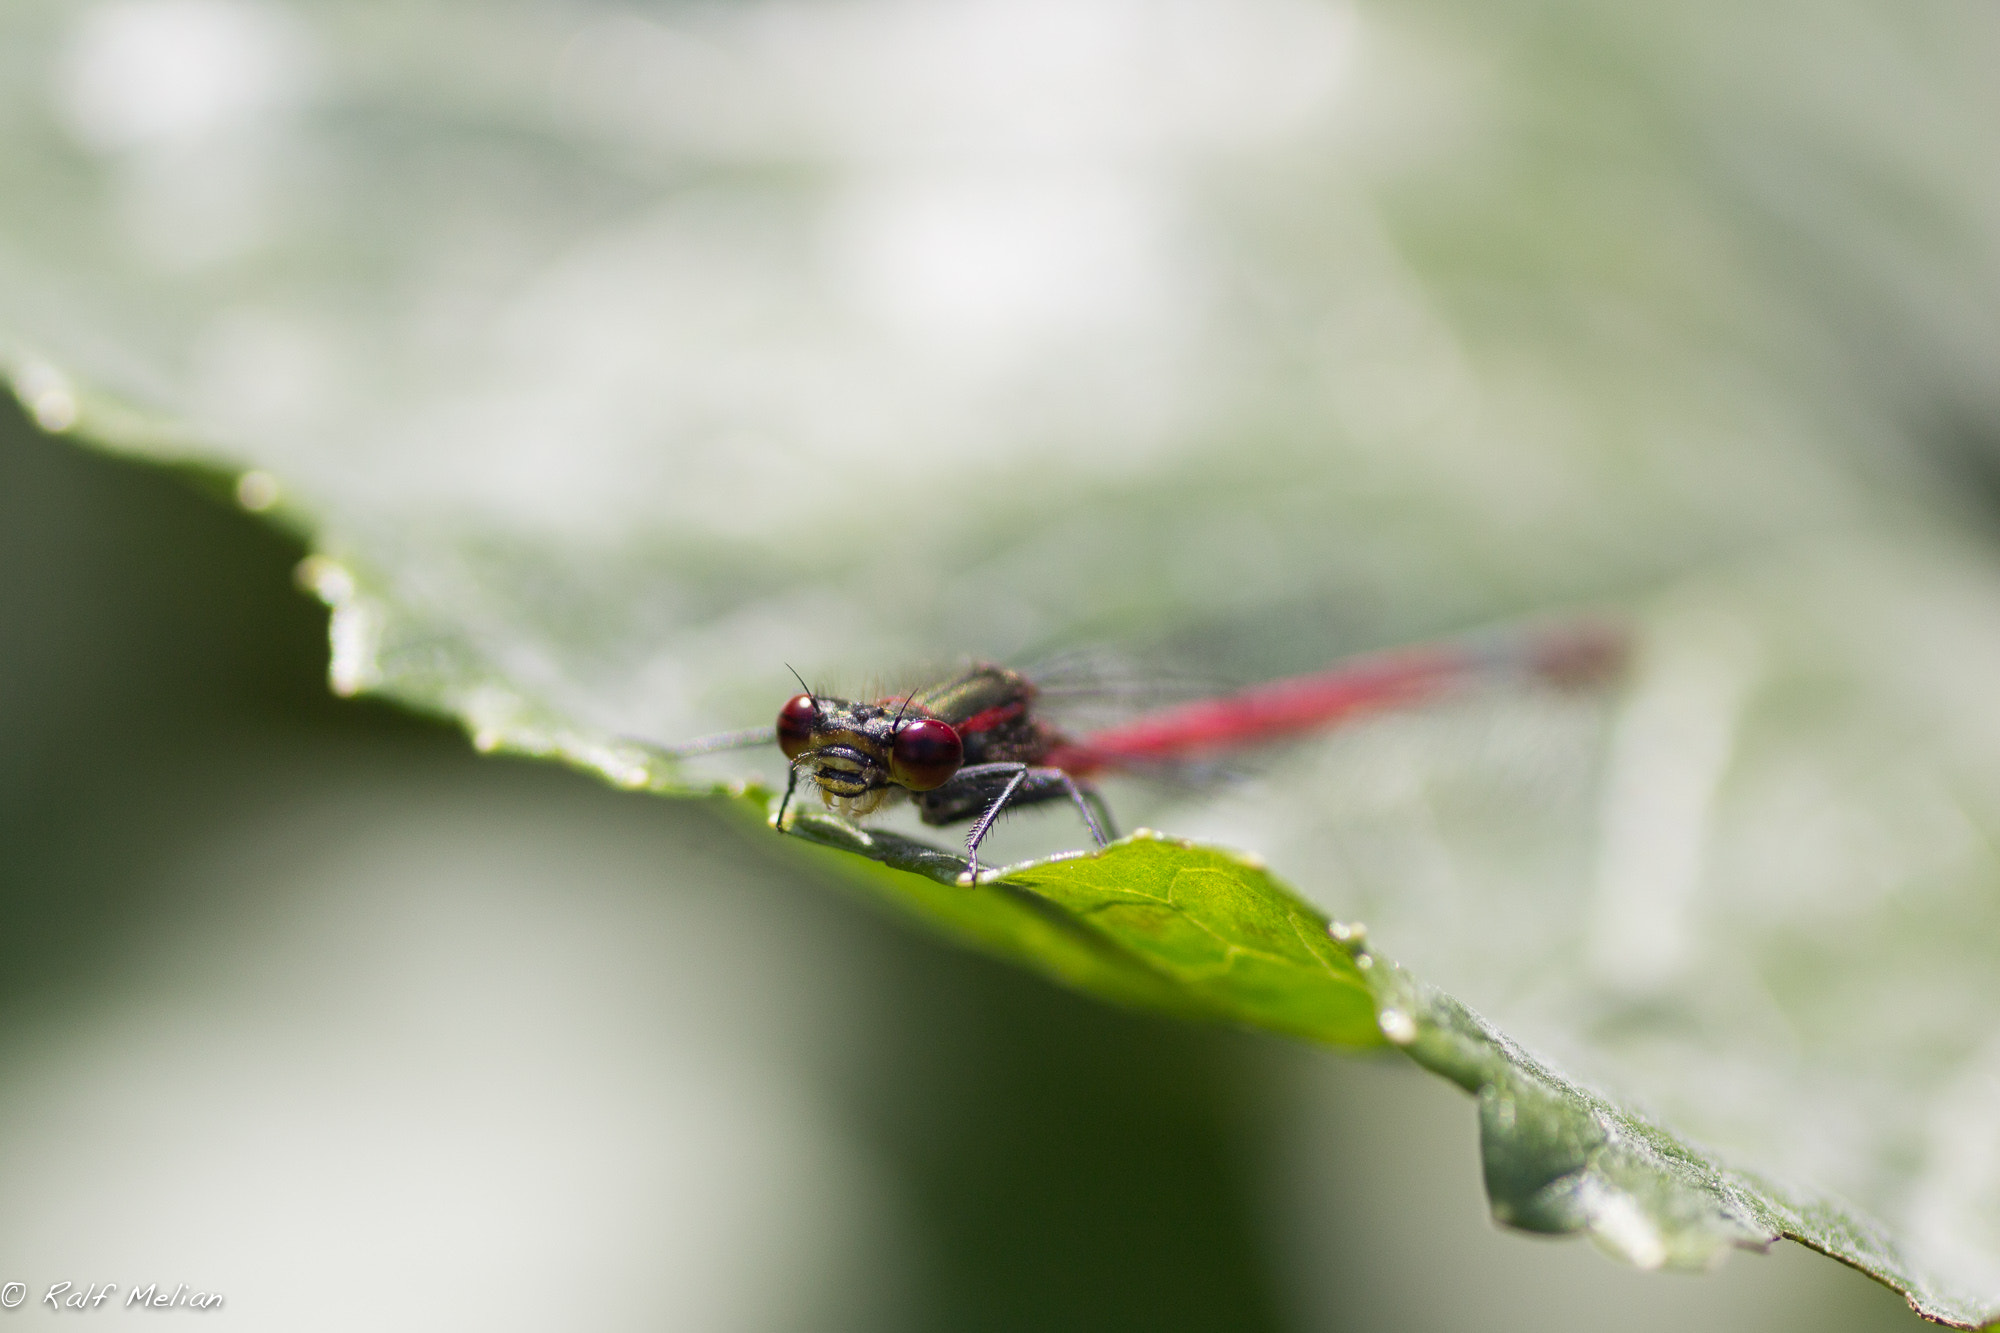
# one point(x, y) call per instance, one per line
point(1020, 784)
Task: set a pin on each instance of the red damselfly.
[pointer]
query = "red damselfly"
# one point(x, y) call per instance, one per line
point(974, 745)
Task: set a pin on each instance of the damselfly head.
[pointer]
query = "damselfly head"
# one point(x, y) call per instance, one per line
point(856, 752)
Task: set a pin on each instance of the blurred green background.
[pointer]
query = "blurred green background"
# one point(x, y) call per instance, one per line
point(306, 1004)
point(623, 354)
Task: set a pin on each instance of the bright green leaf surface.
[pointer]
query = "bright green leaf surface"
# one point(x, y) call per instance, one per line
point(1168, 925)
point(613, 358)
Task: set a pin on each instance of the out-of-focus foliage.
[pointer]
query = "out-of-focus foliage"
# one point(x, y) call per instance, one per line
point(615, 356)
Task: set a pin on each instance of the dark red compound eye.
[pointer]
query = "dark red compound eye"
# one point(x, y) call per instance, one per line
point(796, 721)
point(925, 754)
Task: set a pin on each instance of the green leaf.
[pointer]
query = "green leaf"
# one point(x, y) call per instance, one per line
point(1205, 933)
point(1195, 931)
point(610, 360)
